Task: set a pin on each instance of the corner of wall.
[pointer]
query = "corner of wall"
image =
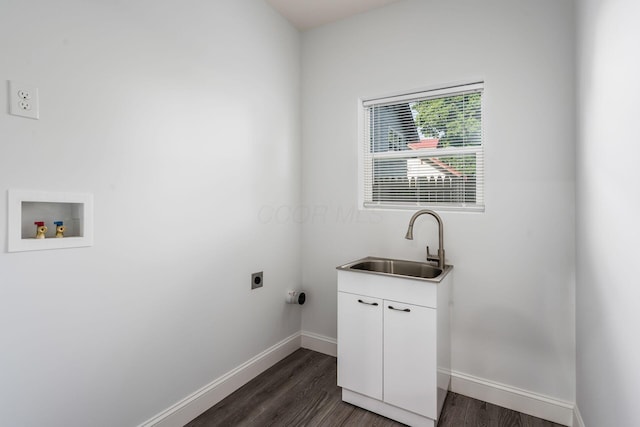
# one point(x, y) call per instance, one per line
point(199, 401)
point(577, 418)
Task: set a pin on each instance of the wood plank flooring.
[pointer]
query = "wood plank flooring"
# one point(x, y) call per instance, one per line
point(301, 390)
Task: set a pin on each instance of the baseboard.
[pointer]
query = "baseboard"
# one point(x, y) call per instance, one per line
point(320, 343)
point(195, 404)
point(558, 411)
point(577, 418)
point(190, 407)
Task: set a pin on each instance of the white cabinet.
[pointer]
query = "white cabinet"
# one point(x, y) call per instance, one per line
point(393, 345)
point(410, 357)
point(360, 355)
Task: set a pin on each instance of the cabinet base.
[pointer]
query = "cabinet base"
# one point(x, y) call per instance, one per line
point(384, 409)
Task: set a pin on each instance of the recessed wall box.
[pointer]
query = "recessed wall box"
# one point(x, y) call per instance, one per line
point(28, 207)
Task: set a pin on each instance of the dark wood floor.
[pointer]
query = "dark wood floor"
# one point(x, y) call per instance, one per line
point(301, 390)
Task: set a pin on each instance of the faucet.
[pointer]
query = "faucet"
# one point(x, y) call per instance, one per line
point(440, 258)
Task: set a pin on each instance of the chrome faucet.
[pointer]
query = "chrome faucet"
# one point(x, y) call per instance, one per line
point(440, 258)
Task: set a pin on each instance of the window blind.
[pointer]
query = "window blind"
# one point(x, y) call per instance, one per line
point(424, 149)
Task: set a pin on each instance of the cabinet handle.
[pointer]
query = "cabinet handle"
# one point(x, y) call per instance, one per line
point(368, 303)
point(399, 309)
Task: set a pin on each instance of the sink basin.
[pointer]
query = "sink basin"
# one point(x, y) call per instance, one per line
point(397, 267)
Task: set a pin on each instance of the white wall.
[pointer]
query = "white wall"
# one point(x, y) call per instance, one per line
point(182, 119)
point(607, 315)
point(514, 263)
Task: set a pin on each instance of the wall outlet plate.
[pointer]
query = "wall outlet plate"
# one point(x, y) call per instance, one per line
point(23, 100)
point(257, 280)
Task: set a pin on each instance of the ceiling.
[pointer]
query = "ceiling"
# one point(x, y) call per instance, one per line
point(307, 14)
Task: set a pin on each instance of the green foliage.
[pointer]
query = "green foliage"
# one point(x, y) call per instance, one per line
point(465, 164)
point(454, 120)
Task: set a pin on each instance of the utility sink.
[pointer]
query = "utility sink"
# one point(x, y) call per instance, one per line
point(398, 268)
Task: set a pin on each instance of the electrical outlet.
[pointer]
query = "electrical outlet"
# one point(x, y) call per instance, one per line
point(23, 100)
point(24, 94)
point(256, 280)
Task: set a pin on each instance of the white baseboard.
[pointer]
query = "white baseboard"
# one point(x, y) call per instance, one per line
point(190, 407)
point(558, 411)
point(577, 418)
point(320, 343)
point(195, 404)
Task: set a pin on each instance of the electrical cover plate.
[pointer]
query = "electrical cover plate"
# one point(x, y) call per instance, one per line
point(257, 280)
point(23, 100)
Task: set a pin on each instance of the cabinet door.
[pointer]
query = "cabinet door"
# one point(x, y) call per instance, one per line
point(410, 357)
point(360, 344)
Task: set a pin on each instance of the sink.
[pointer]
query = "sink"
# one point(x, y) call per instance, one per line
point(398, 267)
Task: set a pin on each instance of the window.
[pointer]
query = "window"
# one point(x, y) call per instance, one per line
point(424, 150)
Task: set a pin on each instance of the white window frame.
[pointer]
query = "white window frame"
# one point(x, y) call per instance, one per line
point(365, 158)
